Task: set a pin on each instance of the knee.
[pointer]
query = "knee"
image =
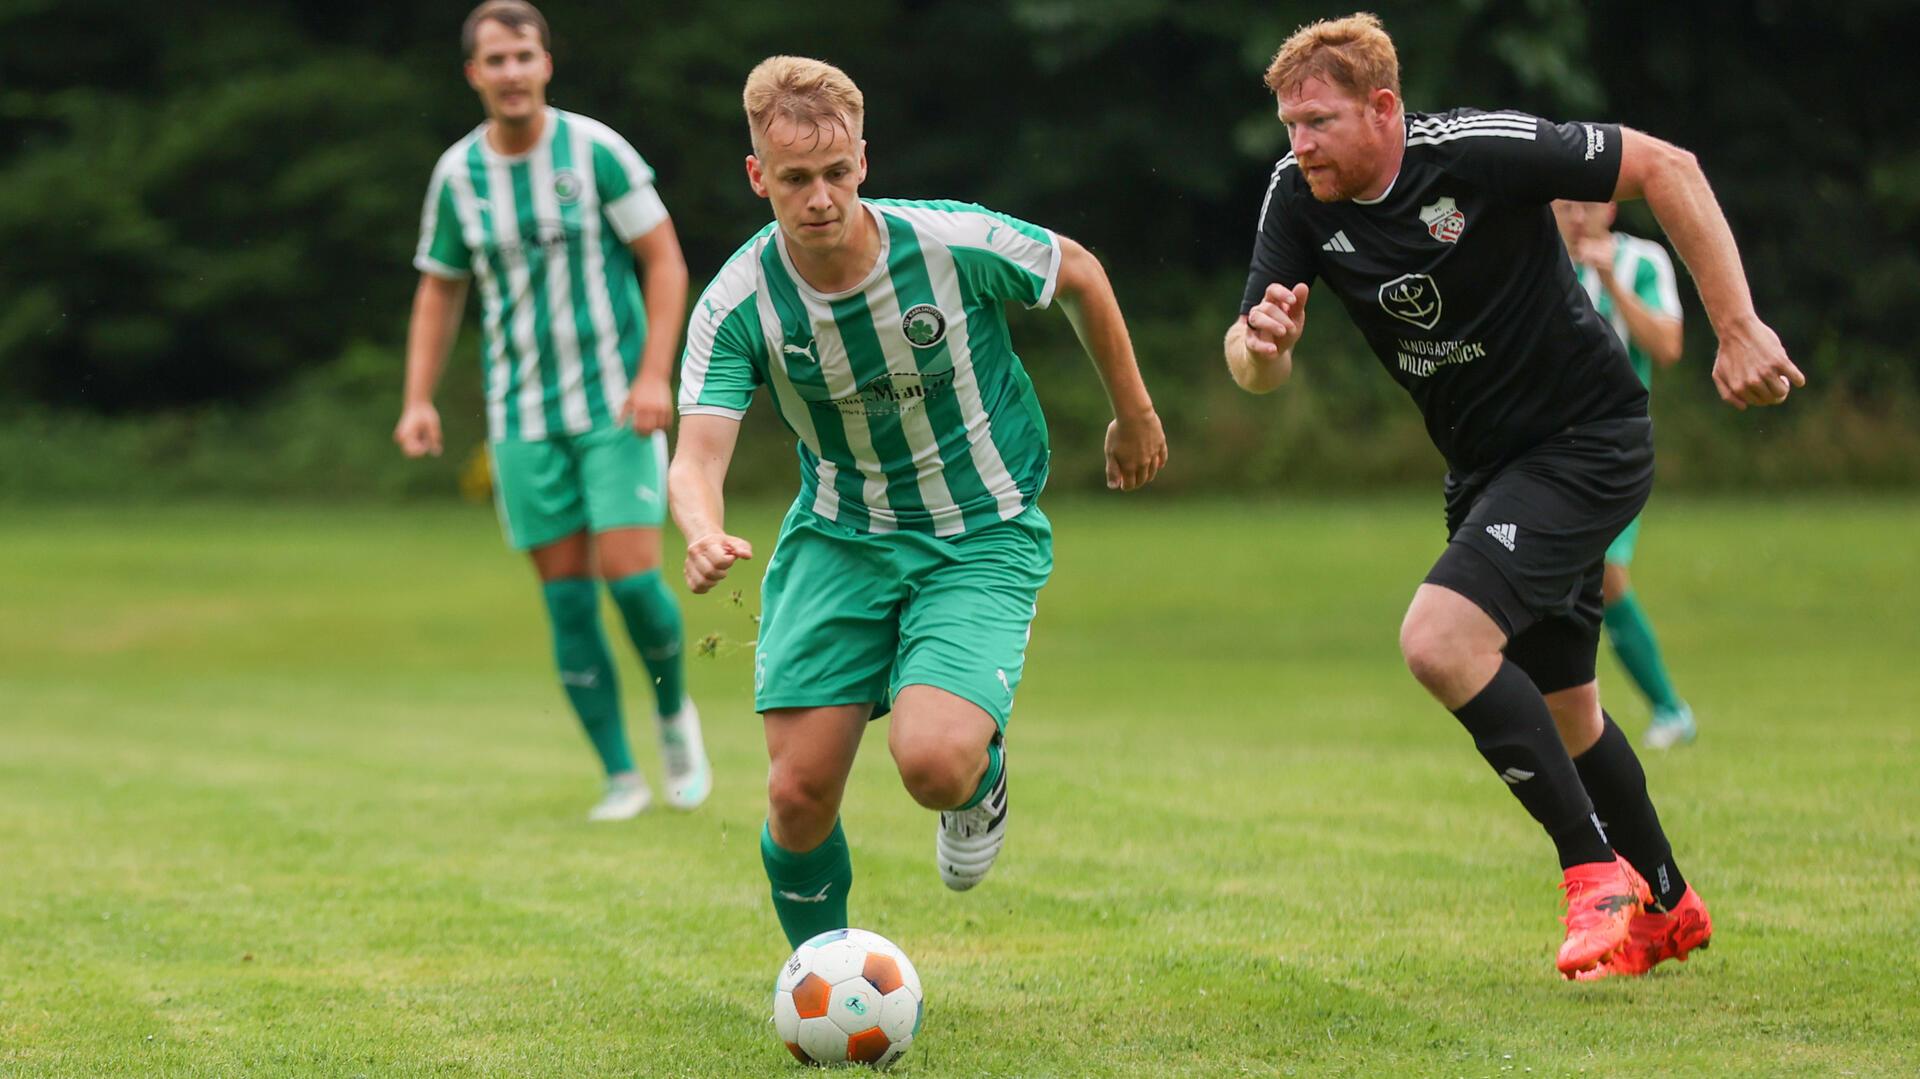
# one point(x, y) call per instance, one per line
point(801, 804)
point(1431, 654)
point(940, 773)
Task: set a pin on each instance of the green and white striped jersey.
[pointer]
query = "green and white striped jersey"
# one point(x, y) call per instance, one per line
point(545, 233)
point(1642, 268)
point(911, 409)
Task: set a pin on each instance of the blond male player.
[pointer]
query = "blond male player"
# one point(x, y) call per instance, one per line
point(550, 212)
point(906, 572)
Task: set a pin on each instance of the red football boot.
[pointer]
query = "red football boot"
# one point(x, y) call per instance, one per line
point(1654, 938)
point(1602, 898)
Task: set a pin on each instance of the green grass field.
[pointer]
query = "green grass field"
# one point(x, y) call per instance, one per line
point(293, 792)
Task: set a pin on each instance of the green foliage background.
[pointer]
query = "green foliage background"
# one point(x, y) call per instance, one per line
point(209, 210)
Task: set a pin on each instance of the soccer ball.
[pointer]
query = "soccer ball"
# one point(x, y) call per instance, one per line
point(847, 997)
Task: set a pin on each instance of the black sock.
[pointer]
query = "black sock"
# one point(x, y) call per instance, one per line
point(1618, 787)
point(1514, 731)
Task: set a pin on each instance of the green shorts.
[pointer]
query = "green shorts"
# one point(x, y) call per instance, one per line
point(1620, 551)
point(609, 478)
point(848, 617)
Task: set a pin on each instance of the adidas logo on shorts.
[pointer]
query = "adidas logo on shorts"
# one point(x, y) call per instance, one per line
point(1506, 534)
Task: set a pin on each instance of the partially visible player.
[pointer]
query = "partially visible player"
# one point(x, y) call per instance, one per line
point(1630, 282)
point(1434, 232)
point(906, 573)
point(554, 214)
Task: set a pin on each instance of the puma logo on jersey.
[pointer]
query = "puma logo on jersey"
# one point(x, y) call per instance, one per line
point(990, 231)
point(796, 350)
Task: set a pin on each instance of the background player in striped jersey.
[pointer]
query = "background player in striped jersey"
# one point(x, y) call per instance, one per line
point(1434, 232)
point(550, 212)
point(905, 574)
point(1630, 282)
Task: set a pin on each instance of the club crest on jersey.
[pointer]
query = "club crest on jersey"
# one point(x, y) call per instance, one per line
point(566, 186)
point(1412, 298)
point(1444, 220)
point(923, 325)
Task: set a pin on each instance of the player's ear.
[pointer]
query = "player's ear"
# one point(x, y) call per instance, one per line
point(755, 179)
point(472, 71)
point(1384, 104)
point(863, 161)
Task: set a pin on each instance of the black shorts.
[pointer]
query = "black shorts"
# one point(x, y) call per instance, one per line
point(1529, 539)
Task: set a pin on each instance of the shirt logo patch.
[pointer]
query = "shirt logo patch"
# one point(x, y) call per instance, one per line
point(923, 325)
point(566, 186)
point(805, 352)
point(1444, 220)
point(1412, 298)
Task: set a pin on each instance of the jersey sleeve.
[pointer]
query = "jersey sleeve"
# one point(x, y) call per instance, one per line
point(442, 251)
point(1653, 280)
point(625, 182)
point(1522, 158)
point(1011, 259)
point(722, 364)
point(1279, 258)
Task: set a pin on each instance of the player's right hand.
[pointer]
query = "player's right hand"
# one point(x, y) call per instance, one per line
point(1275, 323)
point(1752, 367)
point(709, 558)
point(418, 431)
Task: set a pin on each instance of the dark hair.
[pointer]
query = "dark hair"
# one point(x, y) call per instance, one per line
point(515, 15)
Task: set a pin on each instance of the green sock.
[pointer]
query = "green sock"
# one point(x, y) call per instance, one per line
point(996, 763)
point(586, 671)
point(809, 890)
point(1639, 652)
point(653, 621)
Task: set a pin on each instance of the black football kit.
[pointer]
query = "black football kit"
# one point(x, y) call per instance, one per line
point(1459, 282)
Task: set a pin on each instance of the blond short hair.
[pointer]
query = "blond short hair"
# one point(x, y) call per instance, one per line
point(814, 95)
point(1352, 53)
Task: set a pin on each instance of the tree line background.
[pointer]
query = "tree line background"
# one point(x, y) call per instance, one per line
point(208, 212)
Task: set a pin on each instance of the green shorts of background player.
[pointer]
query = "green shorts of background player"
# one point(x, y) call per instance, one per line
point(577, 391)
point(905, 578)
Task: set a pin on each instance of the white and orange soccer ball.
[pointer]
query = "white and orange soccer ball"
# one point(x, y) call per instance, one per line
point(847, 997)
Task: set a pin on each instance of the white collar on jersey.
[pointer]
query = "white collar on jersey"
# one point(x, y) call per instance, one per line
point(545, 140)
point(879, 262)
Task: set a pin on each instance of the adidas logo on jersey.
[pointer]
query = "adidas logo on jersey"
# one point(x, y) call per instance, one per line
point(1339, 243)
point(1506, 534)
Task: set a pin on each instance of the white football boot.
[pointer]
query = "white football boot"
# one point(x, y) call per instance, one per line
point(970, 839)
point(689, 775)
point(627, 797)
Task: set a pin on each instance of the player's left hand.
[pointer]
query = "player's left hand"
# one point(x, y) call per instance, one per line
point(649, 406)
point(1752, 367)
point(1136, 450)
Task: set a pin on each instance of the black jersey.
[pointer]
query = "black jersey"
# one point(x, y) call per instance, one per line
point(1458, 279)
